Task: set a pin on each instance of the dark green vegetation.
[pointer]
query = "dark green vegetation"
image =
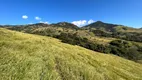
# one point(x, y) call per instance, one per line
point(32, 57)
point(102, 37)
point(130, 36)
point(121, 48)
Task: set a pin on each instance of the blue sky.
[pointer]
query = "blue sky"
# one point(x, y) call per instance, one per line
point(79, 12)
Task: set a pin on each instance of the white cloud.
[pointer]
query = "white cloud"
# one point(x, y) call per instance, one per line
point(44, 22)
point(80, 23)
point(31, 23)
point(90, 21)
point(37, 18)
point(25, 17)
point(40, 21)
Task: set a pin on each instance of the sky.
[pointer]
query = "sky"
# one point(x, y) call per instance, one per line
point(78, 12)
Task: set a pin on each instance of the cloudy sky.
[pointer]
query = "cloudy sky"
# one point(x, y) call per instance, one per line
point(78, 12)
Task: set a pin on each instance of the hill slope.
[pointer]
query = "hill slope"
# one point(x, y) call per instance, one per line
point(101, 25)
point(96, 40)
point(111, 27)
point(32, 57)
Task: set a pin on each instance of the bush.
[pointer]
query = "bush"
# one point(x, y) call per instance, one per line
point(125, 49)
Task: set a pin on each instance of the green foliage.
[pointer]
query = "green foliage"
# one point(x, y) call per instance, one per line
point(117, 47)
point(101, 33)
point(131, 36)
point(84, 42)
point(121, 43)
point(125, 49)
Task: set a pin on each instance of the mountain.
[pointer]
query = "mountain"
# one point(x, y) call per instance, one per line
point(38, 25)
point(65, 25)
point(108, 27)
point(32, 57)
point(101, 25)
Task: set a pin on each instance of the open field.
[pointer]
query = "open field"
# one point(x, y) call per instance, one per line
point(33, 57)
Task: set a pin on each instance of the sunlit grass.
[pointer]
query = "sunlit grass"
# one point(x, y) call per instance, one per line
point(32, 57)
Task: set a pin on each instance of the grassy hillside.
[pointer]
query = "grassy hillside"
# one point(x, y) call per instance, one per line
point(56, 29)
point(93, 39)
point(32, 57)
point(127, 29)
point(111, 27)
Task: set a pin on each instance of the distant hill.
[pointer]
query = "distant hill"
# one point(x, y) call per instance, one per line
point(38, 25)
point(32, 57)
point(101, 26)
point(65, 25)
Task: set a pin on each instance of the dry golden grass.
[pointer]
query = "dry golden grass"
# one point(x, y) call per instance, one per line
point(32, 57)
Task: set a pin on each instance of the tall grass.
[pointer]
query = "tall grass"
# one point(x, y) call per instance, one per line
point(33, 57)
